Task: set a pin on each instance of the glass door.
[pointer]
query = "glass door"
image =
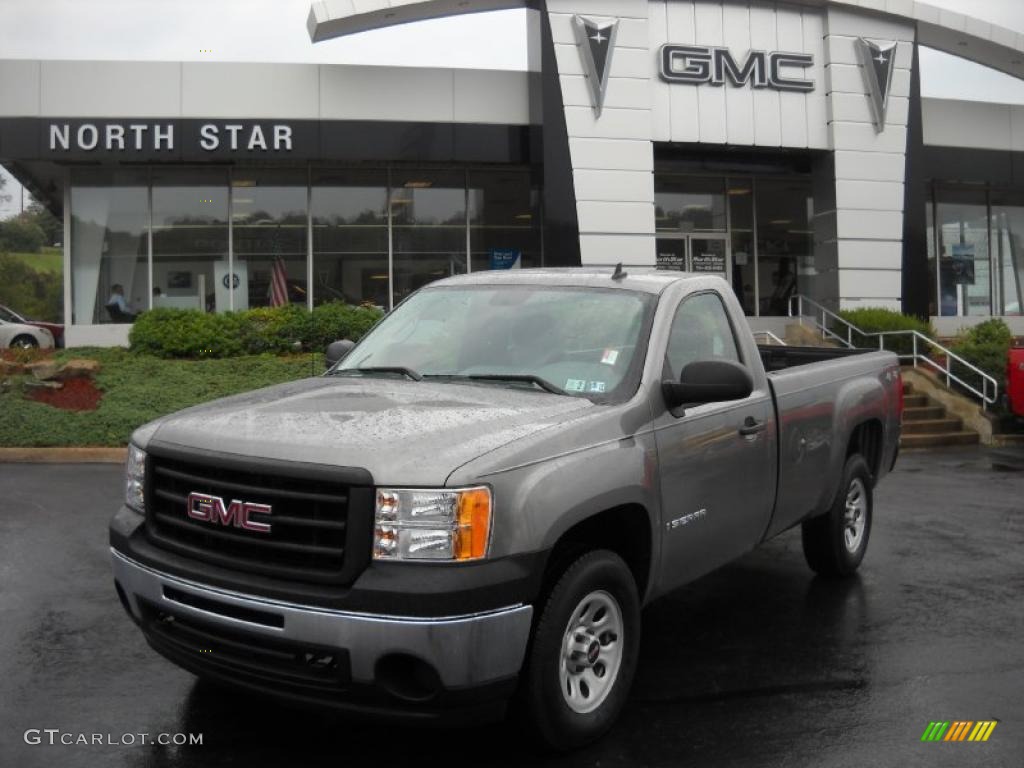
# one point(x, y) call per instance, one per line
point(702, 254)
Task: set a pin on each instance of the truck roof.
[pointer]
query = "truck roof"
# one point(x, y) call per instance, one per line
point(644, 279)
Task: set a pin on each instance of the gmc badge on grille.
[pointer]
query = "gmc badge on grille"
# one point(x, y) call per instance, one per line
point(211, 509)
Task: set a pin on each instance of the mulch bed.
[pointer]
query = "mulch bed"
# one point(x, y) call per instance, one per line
point(75, 395)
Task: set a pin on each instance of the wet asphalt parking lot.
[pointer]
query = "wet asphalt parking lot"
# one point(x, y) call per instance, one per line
point(758, 664)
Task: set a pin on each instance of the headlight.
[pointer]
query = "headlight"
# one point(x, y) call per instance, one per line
point(432, 524)
point(135, 479)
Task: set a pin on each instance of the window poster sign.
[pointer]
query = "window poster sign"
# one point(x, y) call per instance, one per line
point(506, 258)
point(713, 263)
point(671, 260)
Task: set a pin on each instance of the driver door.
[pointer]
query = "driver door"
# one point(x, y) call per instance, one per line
point(716, 460)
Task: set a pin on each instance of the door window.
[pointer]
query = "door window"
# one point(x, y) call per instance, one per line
point(700, 331)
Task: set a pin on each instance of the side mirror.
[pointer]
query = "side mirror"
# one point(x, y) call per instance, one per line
point(337, 351)
point(708, 381)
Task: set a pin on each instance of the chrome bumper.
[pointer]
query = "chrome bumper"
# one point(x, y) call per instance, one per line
point(466, 651)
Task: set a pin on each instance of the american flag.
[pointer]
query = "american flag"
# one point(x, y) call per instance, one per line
point(279, 283)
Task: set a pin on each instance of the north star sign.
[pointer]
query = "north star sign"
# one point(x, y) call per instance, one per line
point(701, 65)
point(124, 137)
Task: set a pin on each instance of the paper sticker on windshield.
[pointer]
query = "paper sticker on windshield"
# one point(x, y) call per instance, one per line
point(575, 385)
point(610, 356)
point(596, 386)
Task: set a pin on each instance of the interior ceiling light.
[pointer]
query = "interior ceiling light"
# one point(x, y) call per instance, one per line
point(418, 184)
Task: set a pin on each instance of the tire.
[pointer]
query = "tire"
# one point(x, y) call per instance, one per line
point(24, 342)
point(835, 543)
point(570, 698)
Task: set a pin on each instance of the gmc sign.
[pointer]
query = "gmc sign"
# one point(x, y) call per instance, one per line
point(700, 65)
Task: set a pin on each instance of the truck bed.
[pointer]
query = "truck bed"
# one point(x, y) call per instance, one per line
point(776, 358)
point(821, 396)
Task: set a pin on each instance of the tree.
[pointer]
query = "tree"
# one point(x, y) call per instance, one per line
point(46, 221)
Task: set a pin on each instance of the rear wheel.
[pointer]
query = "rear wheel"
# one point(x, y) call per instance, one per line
point(835, 543)
point(24, 342)
point(583, 653)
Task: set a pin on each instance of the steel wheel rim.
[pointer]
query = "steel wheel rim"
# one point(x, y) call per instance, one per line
point(855, 515)
point(22, 344)
point(591, 652)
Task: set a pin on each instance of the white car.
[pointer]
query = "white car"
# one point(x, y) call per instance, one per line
point(19, 335)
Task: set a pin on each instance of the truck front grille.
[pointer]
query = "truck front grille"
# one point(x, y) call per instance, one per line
point(311, 519)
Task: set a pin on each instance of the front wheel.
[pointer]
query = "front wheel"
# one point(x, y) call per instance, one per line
point(24, 342)
point(583, 653)
point(835, 543)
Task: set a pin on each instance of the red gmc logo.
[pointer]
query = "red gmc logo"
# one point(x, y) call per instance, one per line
point(211, 509)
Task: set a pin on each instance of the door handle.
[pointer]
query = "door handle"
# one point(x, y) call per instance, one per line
point(752, 426)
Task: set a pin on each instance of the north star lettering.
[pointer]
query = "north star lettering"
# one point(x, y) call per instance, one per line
point(113, 137)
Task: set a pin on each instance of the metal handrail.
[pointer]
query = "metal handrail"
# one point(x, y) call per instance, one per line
point(770, 338)
point(919, 341)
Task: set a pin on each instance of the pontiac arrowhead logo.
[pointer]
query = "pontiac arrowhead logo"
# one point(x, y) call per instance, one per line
point(596, 41)
point(877, 62)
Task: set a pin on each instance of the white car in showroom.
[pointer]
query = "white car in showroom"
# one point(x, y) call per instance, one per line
point(19, 335)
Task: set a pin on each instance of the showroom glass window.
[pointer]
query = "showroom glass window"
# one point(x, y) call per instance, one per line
point(350, 237)
point(504, 220)
point(1008, 250)
point(190, 239)
point(741, 233)
point(269, 223)
point(689, 204)
point(961, 232)
point(109, 243)
point(785, 242)
point(428, 219)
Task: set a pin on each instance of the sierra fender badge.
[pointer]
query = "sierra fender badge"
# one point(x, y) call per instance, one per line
point(693, 517)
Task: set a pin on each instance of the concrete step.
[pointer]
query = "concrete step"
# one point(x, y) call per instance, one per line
point(939, 439)
point(932, 426)
point(918, 413)
point(1011, 439)
point(915, 401)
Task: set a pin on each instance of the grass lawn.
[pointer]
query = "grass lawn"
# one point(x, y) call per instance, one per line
point(138, 389)
point(48, 260)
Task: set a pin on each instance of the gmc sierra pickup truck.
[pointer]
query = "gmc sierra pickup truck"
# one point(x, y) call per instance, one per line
point(471, 507)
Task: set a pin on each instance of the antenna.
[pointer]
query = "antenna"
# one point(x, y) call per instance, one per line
point(619, 274)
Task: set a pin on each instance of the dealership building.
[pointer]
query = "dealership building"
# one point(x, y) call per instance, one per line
point(785, 146)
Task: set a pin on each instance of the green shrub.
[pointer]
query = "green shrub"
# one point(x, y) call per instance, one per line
point(190, 333)
point(879, 320)
point(187, 333)
point(985, 345)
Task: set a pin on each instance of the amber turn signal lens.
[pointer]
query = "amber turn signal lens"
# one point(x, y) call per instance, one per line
point(474, 526)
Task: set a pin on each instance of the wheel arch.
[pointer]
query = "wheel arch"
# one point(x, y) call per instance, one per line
point(624, 529)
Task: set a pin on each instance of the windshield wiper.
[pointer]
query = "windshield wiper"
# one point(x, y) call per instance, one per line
point(529, 378)
point(408, 372)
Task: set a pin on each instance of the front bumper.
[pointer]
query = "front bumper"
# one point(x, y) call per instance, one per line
point(349, 659)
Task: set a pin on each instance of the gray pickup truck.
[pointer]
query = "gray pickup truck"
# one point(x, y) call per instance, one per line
point(471, 507)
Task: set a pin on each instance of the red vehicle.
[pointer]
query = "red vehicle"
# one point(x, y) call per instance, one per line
point(1015, 380)
point(8, 314)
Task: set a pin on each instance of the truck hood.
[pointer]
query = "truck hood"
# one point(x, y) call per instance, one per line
point(402, 432)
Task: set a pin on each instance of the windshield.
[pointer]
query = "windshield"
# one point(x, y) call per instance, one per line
point(576, 341)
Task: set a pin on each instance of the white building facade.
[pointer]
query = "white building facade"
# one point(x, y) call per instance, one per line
point(785, 146)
